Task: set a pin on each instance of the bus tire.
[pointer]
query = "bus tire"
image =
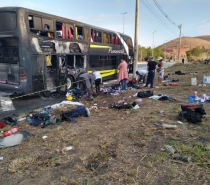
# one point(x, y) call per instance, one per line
point(69, 82)
point(69, 85)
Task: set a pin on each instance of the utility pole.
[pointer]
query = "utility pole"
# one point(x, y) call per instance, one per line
point(136, 39)
point(153, 43)
point(180, 27)
point(123, 20)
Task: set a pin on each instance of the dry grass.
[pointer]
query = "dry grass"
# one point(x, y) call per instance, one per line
point(117, 146)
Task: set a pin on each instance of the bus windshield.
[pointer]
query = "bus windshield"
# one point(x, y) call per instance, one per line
point(7, 21)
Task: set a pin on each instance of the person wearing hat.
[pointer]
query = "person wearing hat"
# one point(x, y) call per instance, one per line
point(151, 66)
point(160, 70)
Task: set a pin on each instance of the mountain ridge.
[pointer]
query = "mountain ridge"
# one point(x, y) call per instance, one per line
point(171, 48)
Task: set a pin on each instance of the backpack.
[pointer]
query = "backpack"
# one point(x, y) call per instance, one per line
point(191, 116)
point(145, 94)
point(192, 112)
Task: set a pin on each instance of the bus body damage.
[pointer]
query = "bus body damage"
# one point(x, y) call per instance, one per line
point(56, 62)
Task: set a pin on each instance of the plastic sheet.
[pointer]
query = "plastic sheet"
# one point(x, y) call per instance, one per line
point(6, 104)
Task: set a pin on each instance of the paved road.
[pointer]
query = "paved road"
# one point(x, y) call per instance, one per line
point(27, 104)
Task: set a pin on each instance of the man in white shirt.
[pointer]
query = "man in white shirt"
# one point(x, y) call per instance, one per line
point(98, 80)
point(141, 75)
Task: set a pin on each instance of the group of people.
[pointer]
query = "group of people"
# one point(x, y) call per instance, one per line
point(152, 66)
point(87, 80)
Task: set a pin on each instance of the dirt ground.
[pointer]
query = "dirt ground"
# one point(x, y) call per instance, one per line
point(113, 147)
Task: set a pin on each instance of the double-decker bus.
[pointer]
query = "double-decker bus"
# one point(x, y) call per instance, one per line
point(39, 51)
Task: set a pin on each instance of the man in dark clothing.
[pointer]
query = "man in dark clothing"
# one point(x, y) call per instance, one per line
point(86, 82)
point(151, 66)
point(183, 61)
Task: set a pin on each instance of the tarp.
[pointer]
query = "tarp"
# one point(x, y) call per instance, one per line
point(191, 99)
point(6, 104)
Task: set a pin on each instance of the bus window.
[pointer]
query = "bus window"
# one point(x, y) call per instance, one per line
point(93, 33)
point(114, 60)
point(9, 50)
point(124, 38)
point(70, 61)
point(95, 62)
point(115, 39)
point(96, 36)
point(79, 33)
point(47, 24)
point(129, 42)
point(7, 21)
point(108, 62)
point(60, 30)
point(79, 61)
point(86, 34)
point(104, 57)
point(70, 31)
point(106, 38)
point(41, 26)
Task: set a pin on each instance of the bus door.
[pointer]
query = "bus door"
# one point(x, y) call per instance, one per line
point(51, 72)
point(79, 64)
point(61, 73)
point(75, 66)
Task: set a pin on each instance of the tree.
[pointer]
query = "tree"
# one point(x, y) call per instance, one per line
point(145, 52)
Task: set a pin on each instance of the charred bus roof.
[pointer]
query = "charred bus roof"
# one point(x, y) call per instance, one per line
point(57, 17)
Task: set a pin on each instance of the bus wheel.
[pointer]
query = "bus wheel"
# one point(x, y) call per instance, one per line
point(69, 82)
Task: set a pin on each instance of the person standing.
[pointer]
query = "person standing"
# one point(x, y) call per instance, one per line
point(160, 71)
point(151, 66)
point(183, 61)
point(98, 80)
point(123, 74)
point(141, 75)
point(86, 81)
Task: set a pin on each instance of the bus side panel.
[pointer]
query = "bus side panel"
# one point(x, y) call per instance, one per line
point(25, 62)
point(38, 73)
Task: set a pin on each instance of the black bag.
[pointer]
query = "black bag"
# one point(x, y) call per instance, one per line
point(191, 116)
point(9, 121)
point(194, 107)
point(164, 98)
point(145, 94)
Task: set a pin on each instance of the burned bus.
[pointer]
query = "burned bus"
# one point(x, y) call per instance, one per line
point(39, 51)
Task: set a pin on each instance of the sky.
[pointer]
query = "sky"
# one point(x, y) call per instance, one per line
point(159, 20)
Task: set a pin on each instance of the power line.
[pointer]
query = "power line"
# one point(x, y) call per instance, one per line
point(157, 16)
point(162, 11)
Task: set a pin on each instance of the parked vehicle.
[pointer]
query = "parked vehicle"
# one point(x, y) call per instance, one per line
point(39, 51)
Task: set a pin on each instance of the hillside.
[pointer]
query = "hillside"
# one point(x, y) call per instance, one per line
point(171, 48)
point(204, 37)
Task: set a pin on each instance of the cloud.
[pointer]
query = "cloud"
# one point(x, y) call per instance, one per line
point(204, 27)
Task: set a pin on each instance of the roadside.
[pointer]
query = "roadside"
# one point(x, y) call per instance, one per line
point(118, 146)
